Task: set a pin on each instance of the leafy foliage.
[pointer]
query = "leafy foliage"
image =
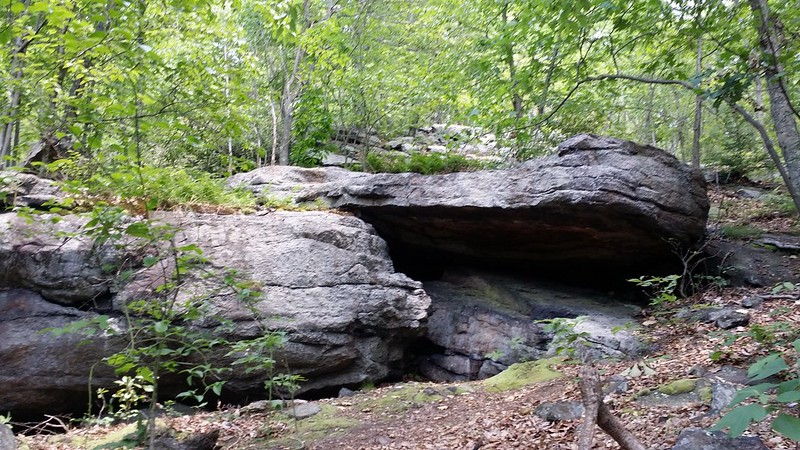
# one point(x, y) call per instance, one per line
point(770, 397)
point(425, 163)
point(662, 289)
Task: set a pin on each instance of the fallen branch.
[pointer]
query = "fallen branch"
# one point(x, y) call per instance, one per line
point(598, 413)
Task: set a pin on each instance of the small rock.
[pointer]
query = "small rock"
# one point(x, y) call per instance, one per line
point(752, 302)
point(7, 440)
point(261, 406)
point(383, 440)
point(722, 394)
point(344, 392)
point(727, 318)
point(558, 411)
point(697, 371)
point(302, 410)
point(733, 375)
point(616, 384)
point(749, 193)
point(697, 438)
point(198, 441)
point(430, 391)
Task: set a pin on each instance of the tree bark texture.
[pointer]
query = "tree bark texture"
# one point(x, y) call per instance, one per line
point(598, 412)
point(782, 111)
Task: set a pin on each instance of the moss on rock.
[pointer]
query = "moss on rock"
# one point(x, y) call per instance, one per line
point(676, 387)
point(523, 374)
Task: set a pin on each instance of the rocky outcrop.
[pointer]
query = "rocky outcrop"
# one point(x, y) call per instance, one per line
point(481, 322)
point(22, 189)
point(600, 202)
point(50, 255)
point(44, 372)
point(326, 280)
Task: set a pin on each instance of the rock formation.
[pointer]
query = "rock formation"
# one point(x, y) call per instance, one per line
point(600, 202)
point(599, 205)
point(326, 279)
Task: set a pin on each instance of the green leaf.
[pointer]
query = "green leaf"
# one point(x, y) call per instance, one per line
point(138, 229)
point(149, 261)
point(740, 418)
point(788, 426)
point(788, 397)
point(750, 392)
point(767, 367)
point(17, 7)
point(161, 327)
point(789, 385)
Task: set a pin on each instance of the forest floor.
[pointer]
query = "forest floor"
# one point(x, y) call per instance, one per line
point(473, 415)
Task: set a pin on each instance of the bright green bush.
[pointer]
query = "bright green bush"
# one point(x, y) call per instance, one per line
point(152, 188)
point(424, 163)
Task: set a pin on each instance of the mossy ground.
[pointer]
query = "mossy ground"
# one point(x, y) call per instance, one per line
point(523, 374)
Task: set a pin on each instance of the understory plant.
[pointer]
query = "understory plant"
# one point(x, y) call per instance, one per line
point(776, 397)
point(424, 163)
point(661, 289)
point(172, 329)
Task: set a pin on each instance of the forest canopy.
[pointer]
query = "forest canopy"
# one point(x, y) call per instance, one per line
point(227, 86)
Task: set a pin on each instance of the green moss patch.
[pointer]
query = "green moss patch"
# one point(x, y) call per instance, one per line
point(677, 387)
point(523, 374)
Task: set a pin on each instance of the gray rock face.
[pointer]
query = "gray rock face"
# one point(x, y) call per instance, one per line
point(42, 371)
point(756, 262)
point(487, 321)
point(7, 439)
point(20, 189)
point(326, 279)
point(43, 254)
point(599, 202)
point(699, 439)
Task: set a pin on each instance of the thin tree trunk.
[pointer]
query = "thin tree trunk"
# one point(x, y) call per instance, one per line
point(274, 132)
point(15, 96)
point(649, 133)
point(782, 111)
point(760, 99)
point(508, 55)
point(681, 148)
point(597, 412)
point(291, 90)
point(698, 109)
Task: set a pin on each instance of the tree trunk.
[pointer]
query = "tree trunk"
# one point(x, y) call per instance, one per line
point(291, 90)
point(508, 56)
point(782, 111)
point(698, 109)
point(596, 412)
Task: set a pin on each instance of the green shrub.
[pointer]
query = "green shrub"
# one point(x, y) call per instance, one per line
point(769, 397)
point(153, 188)
point(424, 163)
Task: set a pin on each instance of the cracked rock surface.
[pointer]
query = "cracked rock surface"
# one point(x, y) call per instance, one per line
point(599, 200)
point(326, 279)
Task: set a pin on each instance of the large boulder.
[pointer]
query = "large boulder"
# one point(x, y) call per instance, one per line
point(326, 280)
point(22, 189)
point(482, 322)
point(51, 255)
point(600, 202)
point(44, 372)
